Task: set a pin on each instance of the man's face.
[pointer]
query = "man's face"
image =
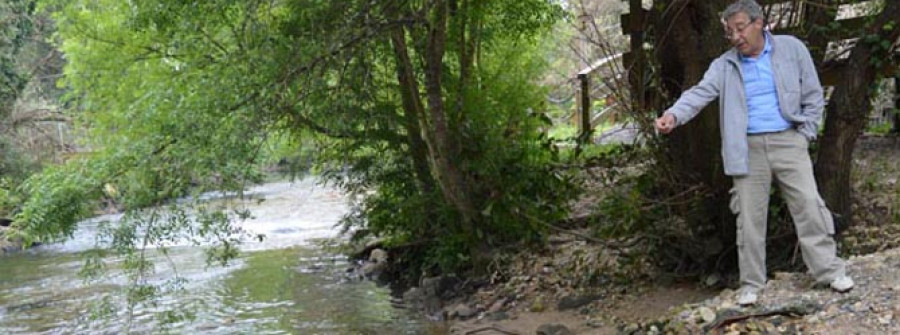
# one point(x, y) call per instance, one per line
point(744, 34)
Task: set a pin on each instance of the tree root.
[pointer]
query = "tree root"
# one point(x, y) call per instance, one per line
point(491, 327)
point(794, 310)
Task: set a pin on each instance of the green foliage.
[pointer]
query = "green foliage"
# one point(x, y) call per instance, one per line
point(167, 113)
point(289, 155)
point(629, 205)
point(15, 164)
point(18, 36)
point(163, 116)
point(508, 161)
point(883, 128)
point(55, 200)
point(181, 98)
point(15, 27)
point(141, 238)
point(563, 132)
point(880, 46)
point(638, 204)
point(9, 200)
point(496, 114)
point(25, 61)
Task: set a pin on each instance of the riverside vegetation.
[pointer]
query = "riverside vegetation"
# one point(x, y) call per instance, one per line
point(579, 284)
point(430, 114)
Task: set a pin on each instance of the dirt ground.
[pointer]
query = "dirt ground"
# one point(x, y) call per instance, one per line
point(644, 306)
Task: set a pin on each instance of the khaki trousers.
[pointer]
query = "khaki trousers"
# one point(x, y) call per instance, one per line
point(783, 155)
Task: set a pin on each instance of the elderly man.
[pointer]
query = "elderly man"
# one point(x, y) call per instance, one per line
point(770, 105)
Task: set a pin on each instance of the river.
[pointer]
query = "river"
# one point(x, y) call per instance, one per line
point(289, 283)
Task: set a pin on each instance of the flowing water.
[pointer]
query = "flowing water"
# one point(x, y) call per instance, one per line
point(286, 284)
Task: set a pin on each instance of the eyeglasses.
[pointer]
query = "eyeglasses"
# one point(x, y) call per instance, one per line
point(739, 29)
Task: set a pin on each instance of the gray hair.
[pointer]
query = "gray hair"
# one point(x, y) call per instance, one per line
point(749, 7)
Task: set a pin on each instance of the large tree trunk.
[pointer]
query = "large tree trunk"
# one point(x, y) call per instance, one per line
point(689, 37)
point(847, 112)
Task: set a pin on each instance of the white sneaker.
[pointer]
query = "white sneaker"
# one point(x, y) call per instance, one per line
point(842, 284)
point(748, 296)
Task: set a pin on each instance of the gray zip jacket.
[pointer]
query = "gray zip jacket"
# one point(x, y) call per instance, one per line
point(796, 83)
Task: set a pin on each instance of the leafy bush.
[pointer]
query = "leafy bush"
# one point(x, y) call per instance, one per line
point(55, 201)
point(510, 169)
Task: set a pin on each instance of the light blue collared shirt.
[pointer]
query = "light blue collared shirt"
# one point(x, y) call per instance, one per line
point(764, 114)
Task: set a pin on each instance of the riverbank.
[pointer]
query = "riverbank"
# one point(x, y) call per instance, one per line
point(542, 292)
point(791, 303)
point(557, 292)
